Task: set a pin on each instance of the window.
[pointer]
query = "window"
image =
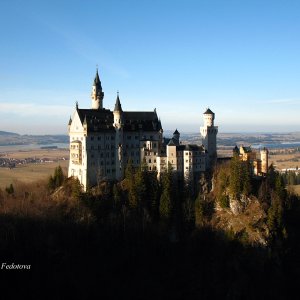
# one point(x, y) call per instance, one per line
point(128, 137)
point(92, 138)
point(150, 160)
point(136, 137)
point(99, 138)
point(154, 145)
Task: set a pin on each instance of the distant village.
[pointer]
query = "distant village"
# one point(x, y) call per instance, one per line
point(10, 162)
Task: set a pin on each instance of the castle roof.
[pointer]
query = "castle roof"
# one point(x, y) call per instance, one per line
point(141, 120)
point(246, 149)
point(103, 119)
point(97, 81)
point(176, 131)
point(191, 147)
point(97, 120)
point(118, 106)
point(171, 143)
point(208, 112)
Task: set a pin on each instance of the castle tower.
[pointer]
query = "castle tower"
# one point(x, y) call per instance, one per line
point(176, 137)
point(209, 136)
point(97, 93)
point(264, 156)
point(118, 124)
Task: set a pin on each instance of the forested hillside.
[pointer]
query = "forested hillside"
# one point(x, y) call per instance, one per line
point(228, 235)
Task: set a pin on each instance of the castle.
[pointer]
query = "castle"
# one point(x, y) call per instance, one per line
point(259, 165)
point(102, 142)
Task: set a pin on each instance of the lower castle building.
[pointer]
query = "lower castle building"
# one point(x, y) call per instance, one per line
point(258, 164)
point(102, 142)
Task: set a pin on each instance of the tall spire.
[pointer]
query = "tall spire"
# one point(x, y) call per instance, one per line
point(118, 106)
point(97, 93)
point(97, 81)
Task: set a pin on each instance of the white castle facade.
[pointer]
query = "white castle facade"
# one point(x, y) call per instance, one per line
point(102, 142)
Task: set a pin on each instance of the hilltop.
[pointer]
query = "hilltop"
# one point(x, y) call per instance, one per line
point(11, 139)
point(7, 133)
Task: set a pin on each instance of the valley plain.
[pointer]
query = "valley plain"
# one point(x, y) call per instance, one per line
point(31, 163)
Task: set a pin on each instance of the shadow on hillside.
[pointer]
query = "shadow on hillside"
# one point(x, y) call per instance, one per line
point(72, 260)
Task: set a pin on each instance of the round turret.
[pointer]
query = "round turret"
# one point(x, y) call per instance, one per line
point(118, 113)
point(209, 117)
point(264, 156)
point(97, 93)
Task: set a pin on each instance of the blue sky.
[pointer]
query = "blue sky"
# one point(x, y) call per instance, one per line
point(240, 58)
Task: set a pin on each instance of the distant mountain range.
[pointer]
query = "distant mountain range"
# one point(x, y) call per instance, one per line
point(6, 133)
point(15, 139)
point(270, 140)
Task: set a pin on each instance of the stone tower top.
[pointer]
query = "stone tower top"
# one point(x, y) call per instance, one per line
point(97, 93)
point(118, 106)
point(209, 117)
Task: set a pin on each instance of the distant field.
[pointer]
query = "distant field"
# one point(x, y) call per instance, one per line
point(29, 172)
point(284, 161)
point(40, 153)
point(32, 172)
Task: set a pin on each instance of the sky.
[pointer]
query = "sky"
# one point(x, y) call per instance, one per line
point(239, 58)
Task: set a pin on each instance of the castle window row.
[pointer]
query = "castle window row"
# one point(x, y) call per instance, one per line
point(112, 138)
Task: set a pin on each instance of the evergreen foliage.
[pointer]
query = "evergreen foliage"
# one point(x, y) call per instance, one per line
point(10, 190)
point(115, 232)
point(57, 179)
point(165, 207)
point(240, 178)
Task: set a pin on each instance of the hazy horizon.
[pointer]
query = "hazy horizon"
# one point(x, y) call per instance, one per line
point(170, 131)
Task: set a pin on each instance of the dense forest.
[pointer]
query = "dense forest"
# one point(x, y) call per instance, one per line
point(226, 235)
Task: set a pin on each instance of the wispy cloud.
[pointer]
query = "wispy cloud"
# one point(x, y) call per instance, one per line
point(31, 109)
point(84, 46)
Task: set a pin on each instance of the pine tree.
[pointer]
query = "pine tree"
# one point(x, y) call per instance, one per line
point(10, 190)
point(57, 179)
point(165, 207)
